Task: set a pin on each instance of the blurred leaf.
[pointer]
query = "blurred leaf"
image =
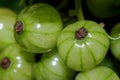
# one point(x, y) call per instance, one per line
point(15, 5)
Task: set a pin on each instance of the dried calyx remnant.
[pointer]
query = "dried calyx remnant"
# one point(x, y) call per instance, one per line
point(81, 33)
point(18, 27)
point(5, 63)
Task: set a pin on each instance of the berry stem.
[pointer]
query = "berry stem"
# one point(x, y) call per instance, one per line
point(62, 4)
point(114, 38)
point(110, 37)
point(78, 9)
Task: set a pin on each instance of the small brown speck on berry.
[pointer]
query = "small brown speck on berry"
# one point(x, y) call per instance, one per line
point(5, 63)
point(81, 33)
point(18, 27)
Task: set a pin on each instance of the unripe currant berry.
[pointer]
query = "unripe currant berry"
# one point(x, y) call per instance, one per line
point(7, 21)
point(83, 45)
point(98, 73)
point(37, 28)
point(15, 64)
point(115, 43)
point(52, 67)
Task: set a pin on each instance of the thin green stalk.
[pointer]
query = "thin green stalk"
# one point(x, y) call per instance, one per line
point(114, 38)
point(78, 9)
point(22, 3)
point(110, 37)
point(62, 4)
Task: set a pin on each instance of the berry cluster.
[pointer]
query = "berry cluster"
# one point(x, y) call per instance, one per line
point(35, 45)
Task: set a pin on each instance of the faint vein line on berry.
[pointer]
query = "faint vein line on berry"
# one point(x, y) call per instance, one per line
point(92, 53)
point(68, 53)
point(108, 76)
point(45, 33)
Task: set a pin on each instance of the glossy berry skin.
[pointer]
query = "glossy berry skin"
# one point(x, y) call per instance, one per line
point(84, 51)
point(115, 44)
point(38, 27)
point(98, 73)
point(14, 65)
point(51, 67)
point(7, 21)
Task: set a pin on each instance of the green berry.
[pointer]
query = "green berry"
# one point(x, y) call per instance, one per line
point(13, 64)
point(7, 21)
point(83, 45)
point(103, 9)
point(115, 44)
point(98, 73)
point(51, 67)
point(38, 27)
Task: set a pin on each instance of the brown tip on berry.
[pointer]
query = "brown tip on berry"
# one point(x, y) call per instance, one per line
point(18, 27)
point(102, 24)
point(81, 33)
point(5, 63)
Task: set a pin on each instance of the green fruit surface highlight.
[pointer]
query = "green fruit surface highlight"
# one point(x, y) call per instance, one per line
point(41, 27)
point(51, 67)
point(15, 67)
point(90, 49)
